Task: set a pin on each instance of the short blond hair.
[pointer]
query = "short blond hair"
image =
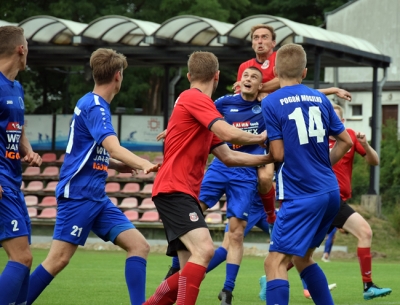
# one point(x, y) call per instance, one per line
point(291, 60)
point(202, 66)
point(105, 63)
point(262, 26)
point(338, 108)
point(10, 38)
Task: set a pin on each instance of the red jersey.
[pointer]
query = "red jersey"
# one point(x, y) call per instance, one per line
point(344, 168)
point(267, 68)
point(187, 144)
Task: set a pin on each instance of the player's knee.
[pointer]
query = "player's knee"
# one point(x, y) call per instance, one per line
point(24, 258)
point(366, 232)
point(205, 252)
point(236, 237)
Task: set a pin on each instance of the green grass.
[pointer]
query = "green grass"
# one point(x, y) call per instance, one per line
point(97, 277)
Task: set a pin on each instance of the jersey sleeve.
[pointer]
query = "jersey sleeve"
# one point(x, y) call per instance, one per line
point(204, 110)
point(98, 122)
point(357, 145)
point(272, 125)
point(219, 104)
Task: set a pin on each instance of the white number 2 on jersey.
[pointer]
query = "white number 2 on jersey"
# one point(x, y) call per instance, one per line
point(315, 126)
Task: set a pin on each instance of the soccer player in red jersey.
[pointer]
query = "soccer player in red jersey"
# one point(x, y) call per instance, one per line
point(347, 218)
point(195, 129)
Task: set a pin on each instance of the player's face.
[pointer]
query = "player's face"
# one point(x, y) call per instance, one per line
point(338, 114)
point(262, 42)
point(119, 81)
point(24, 54)
point(250, 82)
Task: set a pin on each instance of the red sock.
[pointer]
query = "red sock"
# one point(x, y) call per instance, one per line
point(268, 201)
point(189, 283)
point(365, 259)
point(166, 293)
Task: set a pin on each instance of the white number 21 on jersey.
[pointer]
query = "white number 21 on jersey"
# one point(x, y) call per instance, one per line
point(315, 126)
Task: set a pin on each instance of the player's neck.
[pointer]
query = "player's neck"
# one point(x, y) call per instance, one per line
point(9, 68)
point(206, 88)
point(263, 57)
point(105, 92)
point(288, 82)
point(249, 97)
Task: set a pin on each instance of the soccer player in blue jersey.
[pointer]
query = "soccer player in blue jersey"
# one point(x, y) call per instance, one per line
point(14, 147)
point(83, 205)
point(299, 121)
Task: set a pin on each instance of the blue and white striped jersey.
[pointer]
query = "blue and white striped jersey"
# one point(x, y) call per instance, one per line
point(304, 119)
point(84, 172)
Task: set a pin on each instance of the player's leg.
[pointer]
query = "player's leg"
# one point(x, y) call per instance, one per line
point(359, 227)
point(15, 239)
point(267, 191)
point(221, 252)
point(328, 245)
point(73, 224)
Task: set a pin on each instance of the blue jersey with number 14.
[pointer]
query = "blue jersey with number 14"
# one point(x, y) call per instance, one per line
point(304, 119)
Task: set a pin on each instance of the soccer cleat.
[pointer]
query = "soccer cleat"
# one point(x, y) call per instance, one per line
point(375, 292)
point(225, 297)
point(171, 271)
point(263, 288)
point(307, 294)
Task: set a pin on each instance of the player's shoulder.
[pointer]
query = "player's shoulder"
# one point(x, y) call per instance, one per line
point(228, 98)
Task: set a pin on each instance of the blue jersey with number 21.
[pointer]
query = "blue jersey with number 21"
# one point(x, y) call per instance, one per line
point(304, 119)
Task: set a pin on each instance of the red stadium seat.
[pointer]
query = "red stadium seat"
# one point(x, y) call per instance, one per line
point(124, 175)
point(49, 157)
point(48, 213)
point(34, 186)
point(213, 218)
point(131, 188)
point(32, 212)
point(147, 204)
point(146, 157)
point(158, 159)
point(150, 216)
point(22, 185)
point(128, 203)
point(48, 201)
point(132, 215)
point(142, 175)
point(114, 200)
point(31, 171)
point(112, 187)
point(147, 189)
point(50, 171)
point(51, 186)
point(111, 172)
point(61, 159)
point(31, 200)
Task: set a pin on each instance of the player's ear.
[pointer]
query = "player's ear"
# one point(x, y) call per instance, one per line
point(304, 74)
point(188, 76)
point(275, 72)
point(216, 76)
point(273, 43)
point(260, 86)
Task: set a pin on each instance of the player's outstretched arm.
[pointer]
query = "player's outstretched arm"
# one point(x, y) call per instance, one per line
point(116, 151)
point(371, 155)
point(339, 92)
point(26, 151)
point(235, 158)
point(342, 145)
point(231, 134)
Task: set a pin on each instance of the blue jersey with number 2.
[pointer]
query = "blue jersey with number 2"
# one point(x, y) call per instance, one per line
point(304, 119)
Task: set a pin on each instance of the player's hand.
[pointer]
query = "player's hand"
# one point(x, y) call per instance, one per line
point(343, 94)
point(123, 168)
point(264, 139)
point(236, 87)
point(1, 192)
point(261, 95)
point(33, 159)
point(150, 167)
point(361, 138)
point(162, 135)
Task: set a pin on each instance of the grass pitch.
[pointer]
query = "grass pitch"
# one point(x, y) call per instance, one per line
point(97, 277)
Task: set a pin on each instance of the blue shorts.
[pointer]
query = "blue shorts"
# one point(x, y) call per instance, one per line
point(257, 217)
point(14, 217)
point(76, 218)
point(302, 224)
point(239, 185)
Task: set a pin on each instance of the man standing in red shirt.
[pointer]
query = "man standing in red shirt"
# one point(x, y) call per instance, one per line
point(347, 218)
point(195, 129)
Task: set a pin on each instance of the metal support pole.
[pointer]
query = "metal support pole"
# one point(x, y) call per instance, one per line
point(166, 95)
point(317, 68)
point(374, 131)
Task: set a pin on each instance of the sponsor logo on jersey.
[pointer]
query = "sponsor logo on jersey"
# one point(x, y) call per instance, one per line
point(241, 124)
point(13, 130)
point(256, 109)
point(101, 159)
point(234, 110)
point(10, 102)
point(21, 102)
point(13, 126)
point(265, 65)
point(193, 216)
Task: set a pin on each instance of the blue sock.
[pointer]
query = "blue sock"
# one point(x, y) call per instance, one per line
point(329, 241)
point(304, 284)
point(38, 281)
point(135, 276)
point(278, 292)
point(218, 258)
point(11, 281)
point(232, 271)
point(175, 263)
point(23, 293)
point(317, 285)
